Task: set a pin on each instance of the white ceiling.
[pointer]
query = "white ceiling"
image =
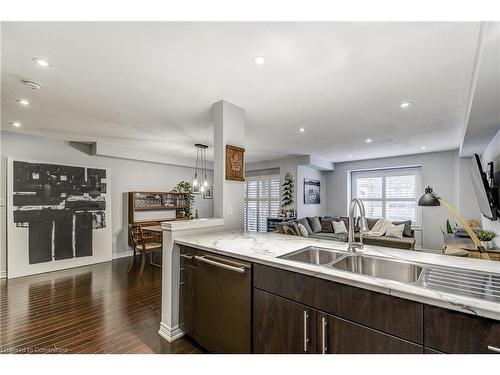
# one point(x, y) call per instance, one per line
point(151, 85)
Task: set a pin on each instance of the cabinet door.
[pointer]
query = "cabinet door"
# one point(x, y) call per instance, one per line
point(187, 298)
point(336, 335)
point(282, 326)
point(457, 333)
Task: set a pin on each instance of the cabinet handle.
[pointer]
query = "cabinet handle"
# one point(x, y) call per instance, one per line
point(190, 257)
point(306, 339)
point(221, 265)
point(324, 322)
point(493, 349)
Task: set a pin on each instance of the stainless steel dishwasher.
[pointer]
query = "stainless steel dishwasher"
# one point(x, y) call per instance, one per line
point(223, 303)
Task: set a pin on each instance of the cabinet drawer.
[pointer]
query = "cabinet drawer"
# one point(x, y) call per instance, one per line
point(396, 316)
point(340, 336)
point(454, 332)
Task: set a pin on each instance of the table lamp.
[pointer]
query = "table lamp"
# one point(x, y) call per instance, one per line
point(429, 198)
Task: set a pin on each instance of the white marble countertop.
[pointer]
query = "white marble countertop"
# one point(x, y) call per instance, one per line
point(265, 248)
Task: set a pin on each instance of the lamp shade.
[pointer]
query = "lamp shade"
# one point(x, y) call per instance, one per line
point(429, 198)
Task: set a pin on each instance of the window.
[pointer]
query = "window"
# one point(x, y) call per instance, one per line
point(389, 193)
point(262, 200)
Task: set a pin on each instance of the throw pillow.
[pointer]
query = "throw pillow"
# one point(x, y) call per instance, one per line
point(339, 227)
point(295, 227)
point(315, 224)
point(407, 230)
point(305, 223)
point(279, 226)
point(326, 225)
point(303, 230)
point(289, 230)
point(395, 231)
point(345, 219)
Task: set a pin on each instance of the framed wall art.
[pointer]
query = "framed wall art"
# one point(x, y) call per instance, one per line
point(235, 161)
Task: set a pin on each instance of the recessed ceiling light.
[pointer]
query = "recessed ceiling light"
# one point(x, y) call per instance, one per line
point(302, 130)
point(23, 102)
point(350, 156)
point(259, 60)
point(16, 124)
point(41, 61)
point(31, 84)
point(405, 105)
point(423, 147)
point(368, 140)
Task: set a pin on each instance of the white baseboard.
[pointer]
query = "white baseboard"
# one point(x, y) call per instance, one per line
point(170, 334)
point(123, 254)
point(3, 274)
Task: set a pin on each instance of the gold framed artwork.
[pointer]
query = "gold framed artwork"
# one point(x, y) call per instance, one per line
point(235, 159)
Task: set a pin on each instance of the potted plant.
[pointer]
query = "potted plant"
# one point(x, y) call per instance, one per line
point(485, 236)
point(186, 188)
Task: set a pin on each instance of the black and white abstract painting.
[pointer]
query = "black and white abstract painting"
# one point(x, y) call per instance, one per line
point(312, 191)
point(59, 215)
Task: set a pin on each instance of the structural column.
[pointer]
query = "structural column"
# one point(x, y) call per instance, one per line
point(229, 129)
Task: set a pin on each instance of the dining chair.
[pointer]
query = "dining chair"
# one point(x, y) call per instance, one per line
point(142, 245)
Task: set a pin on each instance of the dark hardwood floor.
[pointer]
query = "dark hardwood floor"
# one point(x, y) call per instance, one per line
point(93, 309)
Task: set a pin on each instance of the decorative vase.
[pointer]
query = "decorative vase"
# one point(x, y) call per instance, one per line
point(486, 244)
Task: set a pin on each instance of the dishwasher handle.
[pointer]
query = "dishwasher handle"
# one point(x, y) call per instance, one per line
point(241, 269)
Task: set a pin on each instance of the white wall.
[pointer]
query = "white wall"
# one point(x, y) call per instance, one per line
point(304, 210)
point(439, 170)
point(127, 175)
point(492, 153)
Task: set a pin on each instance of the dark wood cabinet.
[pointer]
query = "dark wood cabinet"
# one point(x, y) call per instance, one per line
point(339, 336)
point(454, 332)
point(395, 316)
point(282, 326)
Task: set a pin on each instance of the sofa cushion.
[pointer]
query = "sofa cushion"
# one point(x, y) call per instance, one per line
point(289, 230)
point(302, 230)
point(305, 223)
point(279, 226)
point(407, 243)
point(395, 231)
point(339, 227)
point(342, 237)
point(407, 231)
point(314, 223)
point(326, 225)
point(371, 222)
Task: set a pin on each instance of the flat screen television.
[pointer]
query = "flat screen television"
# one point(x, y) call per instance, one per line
point(486, 194)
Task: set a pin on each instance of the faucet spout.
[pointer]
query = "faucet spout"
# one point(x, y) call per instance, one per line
point(363, 227)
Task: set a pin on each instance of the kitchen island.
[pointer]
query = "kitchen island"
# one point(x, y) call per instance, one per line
point(290, 306)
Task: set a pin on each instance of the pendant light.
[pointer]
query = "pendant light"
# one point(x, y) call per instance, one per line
point(201, 160)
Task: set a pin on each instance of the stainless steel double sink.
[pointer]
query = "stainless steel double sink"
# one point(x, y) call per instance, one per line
point(475, 284)
point(357, 263)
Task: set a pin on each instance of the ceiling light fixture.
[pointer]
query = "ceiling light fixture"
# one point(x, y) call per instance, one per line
point(405, 105)
point(41, 61)
point(23, 102)
point(302, 130)
point(368, 140)
point(201, 160)
point(31, 84)
point(15, 124)
point(350, 156)
point(423, 147)
point(259, 60)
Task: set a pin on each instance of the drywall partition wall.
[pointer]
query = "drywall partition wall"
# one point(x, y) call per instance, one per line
point(127, 175)
point(303, 209)
point(438, 169)
point(492, 154)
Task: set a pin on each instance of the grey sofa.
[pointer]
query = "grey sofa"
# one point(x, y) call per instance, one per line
point(325, 231)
